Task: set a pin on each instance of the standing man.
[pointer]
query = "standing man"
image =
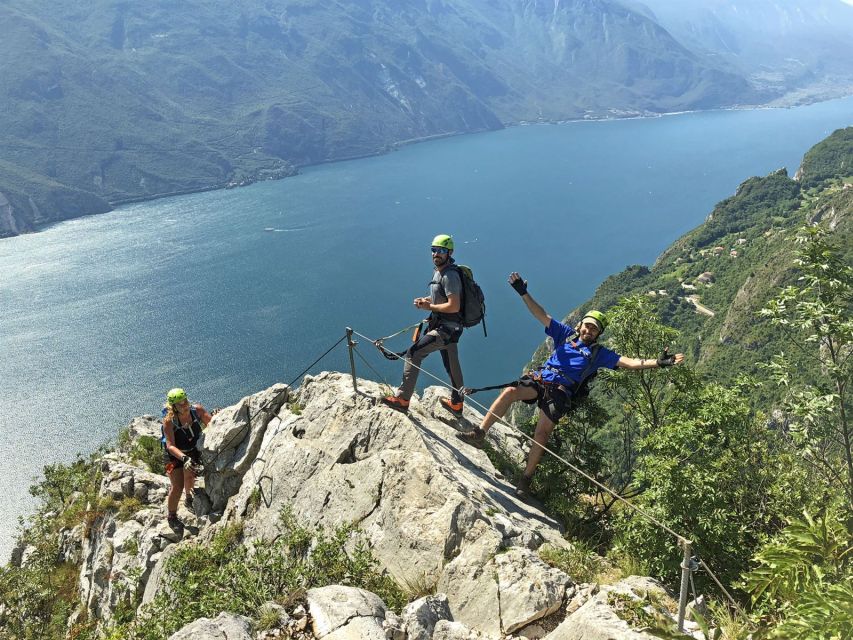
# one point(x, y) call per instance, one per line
point(576, 356)
point(443, 329)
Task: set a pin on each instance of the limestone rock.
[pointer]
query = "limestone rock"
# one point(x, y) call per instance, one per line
point(434, 511)
point(529, 588)
point(597, 620)
point(144, 426)
point(230, 443)
point(414, 489)
point(421, 616)
point(470, 584)
point(395, 628)
point(359, 629)
point(345, 612)
point(447, 630)
point(225, 626)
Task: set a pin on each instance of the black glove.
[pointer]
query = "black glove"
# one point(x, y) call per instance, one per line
point(520, 286)
point(185, 458)
point(666, 359)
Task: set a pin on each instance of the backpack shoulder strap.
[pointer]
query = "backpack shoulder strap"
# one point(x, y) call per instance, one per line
point(590, 370)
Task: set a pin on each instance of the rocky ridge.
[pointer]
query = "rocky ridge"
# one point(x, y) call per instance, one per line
point(433, 511)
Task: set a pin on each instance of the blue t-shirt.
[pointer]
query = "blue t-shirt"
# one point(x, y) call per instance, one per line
point(571, 359)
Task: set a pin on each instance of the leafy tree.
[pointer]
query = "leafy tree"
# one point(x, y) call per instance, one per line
point(707, 473)
point(815, 315)
point(643, 397)
point(802, 585)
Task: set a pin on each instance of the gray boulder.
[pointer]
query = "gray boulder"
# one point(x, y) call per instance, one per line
point(597, 619)
point(341, 613)
point(229, 446)
point(421, 616)
point(225, 626)
point(447, 630)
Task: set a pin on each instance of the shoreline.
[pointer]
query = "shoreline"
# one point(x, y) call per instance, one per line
point(782, 103)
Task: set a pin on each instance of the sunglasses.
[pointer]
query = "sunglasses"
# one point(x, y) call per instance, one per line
point(439, 250)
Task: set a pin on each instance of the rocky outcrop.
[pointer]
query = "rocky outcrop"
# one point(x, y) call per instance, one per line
point(433, 509)
point(343, 613)
point(437, 515)
point(598, 616)
point(223, 627)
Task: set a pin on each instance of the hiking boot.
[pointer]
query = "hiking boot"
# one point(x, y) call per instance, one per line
point(476, 438)
point(174, 522)
point(522, 489)
point(396, 403)
point(453, 407)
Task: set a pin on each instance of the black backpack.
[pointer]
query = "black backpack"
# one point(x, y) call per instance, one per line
point(473, 309)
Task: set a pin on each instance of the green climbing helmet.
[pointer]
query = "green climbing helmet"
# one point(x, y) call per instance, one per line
point(176, 395)
point(599, 318)
point(443, 240)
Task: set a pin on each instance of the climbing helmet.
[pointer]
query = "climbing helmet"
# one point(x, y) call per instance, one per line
point(444, 241)
point(176, 395)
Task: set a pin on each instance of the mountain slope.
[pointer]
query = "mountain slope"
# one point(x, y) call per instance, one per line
point(111, 101)
point(781, 45)
point(712, 282)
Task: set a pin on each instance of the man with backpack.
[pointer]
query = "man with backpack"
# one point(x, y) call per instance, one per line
point(182, 426)
point(576, 357)
point(444, 328)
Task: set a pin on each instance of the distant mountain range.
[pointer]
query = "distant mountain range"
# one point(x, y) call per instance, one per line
point(110, 101)
point(781, 46)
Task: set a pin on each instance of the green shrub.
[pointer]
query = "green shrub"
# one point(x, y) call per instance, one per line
point(149, 451)
point(802, 586)
point(227, 575)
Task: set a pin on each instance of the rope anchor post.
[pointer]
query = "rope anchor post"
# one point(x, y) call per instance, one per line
point(686, 569)
point(351, 347)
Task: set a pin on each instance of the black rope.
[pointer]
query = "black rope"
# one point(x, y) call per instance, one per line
point(469, 391)
point(370, 366)
point(308, 368)
point(266, 404)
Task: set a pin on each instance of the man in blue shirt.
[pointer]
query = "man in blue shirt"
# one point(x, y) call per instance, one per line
point(576, 356)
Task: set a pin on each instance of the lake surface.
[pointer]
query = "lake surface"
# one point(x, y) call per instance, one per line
point(227, 292)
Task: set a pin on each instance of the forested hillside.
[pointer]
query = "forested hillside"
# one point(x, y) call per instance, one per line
point(748, 448)
point(108, 101)
point(711, 284)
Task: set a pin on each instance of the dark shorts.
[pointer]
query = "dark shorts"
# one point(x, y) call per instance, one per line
point(173, 463)
point(552, 399)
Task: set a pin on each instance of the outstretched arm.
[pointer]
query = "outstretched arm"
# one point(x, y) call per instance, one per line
point(535, 308)
point(666, 360)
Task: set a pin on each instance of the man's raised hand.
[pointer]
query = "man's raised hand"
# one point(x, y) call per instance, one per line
point(517, 283)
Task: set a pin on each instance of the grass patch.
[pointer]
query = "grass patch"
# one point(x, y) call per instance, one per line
point(294, 407)
point(422, 586)
point(578, 562)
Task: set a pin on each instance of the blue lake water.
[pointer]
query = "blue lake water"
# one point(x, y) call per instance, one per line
point(99, 316)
